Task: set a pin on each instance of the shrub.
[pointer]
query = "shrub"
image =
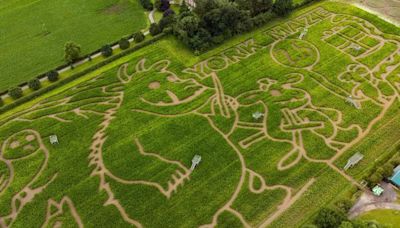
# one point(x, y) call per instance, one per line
point(374, 179)
point(344, 205)
point(346, 224)
point(15, 93)
point(124, 43)
point(1, 102)
point(162, 5)
point(34, 84)
point(395, 161)
point(147, 4)
point(154, 29)
point(52, 76)
point(72, 52)
point(329, 218)
point(387, 170)
point(106, 51)
point(138, 37)
point(282, 7)
point(168, 12)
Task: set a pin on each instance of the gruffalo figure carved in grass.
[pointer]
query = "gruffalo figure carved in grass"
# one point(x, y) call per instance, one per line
point(137, 179)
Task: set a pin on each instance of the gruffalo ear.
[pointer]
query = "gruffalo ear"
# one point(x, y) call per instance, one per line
point(123, 75)
point(160, 65)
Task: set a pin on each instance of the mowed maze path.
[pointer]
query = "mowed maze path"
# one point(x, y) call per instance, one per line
point(33, 33)
point(127, 135)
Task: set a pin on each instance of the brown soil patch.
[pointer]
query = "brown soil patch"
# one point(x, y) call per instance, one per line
point(172, 78)
point(30, 138)
point(113, 9)
point(154, 85)
point(275, 93)
point(29, 147)
point(14, 144)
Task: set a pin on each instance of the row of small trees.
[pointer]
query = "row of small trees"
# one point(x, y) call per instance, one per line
point(383, 171)
point(72, 53)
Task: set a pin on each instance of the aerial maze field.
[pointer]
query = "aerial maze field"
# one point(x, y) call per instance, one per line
point(127, 136)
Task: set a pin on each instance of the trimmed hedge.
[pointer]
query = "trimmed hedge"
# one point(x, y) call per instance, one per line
point(106, 51)
point(15, 93)
point(124, 43)
point(52, 76)
point(139, 37)
point(79, 74)
point(34, 84)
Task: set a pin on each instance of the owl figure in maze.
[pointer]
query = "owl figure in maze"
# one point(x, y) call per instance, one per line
point(17, 186)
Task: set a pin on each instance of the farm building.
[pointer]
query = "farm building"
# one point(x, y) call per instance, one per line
point(395, 179)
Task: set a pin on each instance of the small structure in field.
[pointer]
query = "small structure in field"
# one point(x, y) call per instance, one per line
point(257, 115)
point(354, 160)
point(303, 33)
point(53, 139)
point(378, 190)
point(395, 179)
point(352, 102)
point(195, 161)
point(357, 47)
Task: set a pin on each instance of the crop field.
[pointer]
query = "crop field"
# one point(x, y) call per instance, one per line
point(273, 114)
point(33, 33)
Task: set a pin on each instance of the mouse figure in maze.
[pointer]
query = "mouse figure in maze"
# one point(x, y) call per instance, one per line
point(288, 112)
point(18, 187)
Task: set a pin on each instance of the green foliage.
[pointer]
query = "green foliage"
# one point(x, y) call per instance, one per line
point(15, 93)
point(344, 205)
point(213, 22)
point(1, 102)
point(346, 224)
point(329, 218)
point(256, 6)
point(183, 8)
point(138, 37)
point(162, 5)
point(72, 52)
point(124, 43)
point(283, 7)
point(52, 76)
point(387, 170)
point(147, 4)
point(106, 51)
point(155, 29)
point(34, 84)
point(374, 179)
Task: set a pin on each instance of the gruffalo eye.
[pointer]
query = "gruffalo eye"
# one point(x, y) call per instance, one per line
point(20, 145)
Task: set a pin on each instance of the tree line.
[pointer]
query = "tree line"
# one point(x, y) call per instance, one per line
point(213, 21)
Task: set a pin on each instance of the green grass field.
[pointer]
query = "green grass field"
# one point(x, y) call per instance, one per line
point(390, 218)
point(33, 33)
point(128, 131)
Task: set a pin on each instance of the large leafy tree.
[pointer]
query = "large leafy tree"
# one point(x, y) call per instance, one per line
point(255, 6)
point(72, 52)
point(282, 7)
point(329, 218)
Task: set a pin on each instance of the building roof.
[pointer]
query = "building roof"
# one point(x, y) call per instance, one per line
point(378, 190)
point(396, 176)
point(397, 169)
